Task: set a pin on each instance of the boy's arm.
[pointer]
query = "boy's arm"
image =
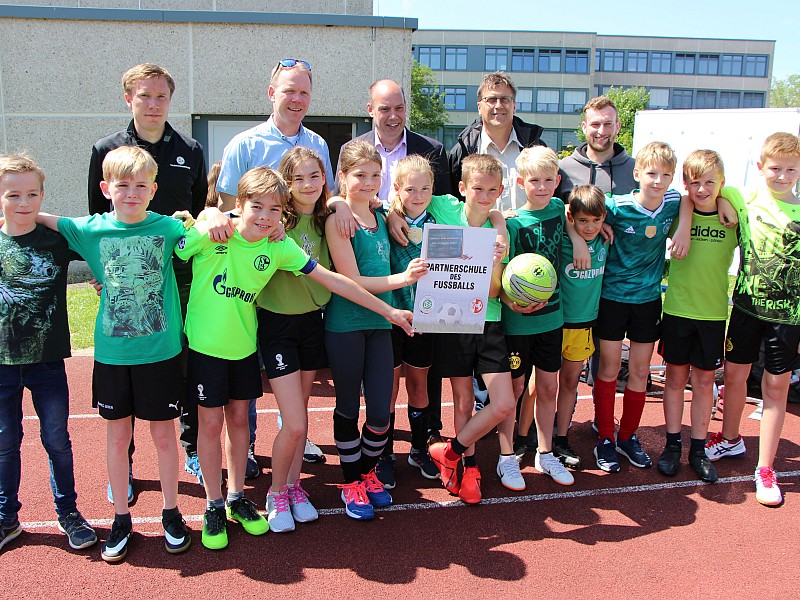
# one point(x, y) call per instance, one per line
point(679, 243)
point(343, 217)
point(342, 286)
point(398, 228)
point(727, 213)
point(581, 258)
point(48, 220)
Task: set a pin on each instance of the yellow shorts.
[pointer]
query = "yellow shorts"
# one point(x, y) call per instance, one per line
point(578, 344)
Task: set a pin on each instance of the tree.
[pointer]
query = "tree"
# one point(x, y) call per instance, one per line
point(428, 113)
point(785, 92)
point(628, 102)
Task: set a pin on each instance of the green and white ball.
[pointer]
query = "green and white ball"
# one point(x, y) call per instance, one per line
point(529, 278)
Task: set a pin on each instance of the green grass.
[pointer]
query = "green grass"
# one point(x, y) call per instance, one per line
point(82, 303)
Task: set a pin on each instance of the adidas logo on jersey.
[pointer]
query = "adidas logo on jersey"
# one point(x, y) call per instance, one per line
point(630, 229)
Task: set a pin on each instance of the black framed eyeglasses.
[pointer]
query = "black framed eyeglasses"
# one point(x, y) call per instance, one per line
point(288, 63)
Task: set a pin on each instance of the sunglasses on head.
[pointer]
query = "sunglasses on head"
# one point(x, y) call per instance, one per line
point(288, 63)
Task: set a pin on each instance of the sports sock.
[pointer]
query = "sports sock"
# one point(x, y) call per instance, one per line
point(167, 513)
point(123, 520)
point(418, 422)
point(674, 439)
point(632, 409)
point(604, 397)
point(561, 440)
point(388, 448)
point(696, 445)
point(233, 497)
point(470, 461)
point(520, 440)
point(218, 503)
point(348, 444)
point(373, 440)
point(455, 449)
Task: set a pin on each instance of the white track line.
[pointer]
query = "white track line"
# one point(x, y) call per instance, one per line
point(632, 489)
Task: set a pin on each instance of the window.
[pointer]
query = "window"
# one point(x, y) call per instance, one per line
point(431, 56)
point(753, 100)
point(521, 60)
point(755, 66)
point(729, 99)
point(637, 62)
point(597, 60)
point(708, 64)
point(450, 135)
point(455, 59)
point(550, 137)
point(549, 61)
point(681, 98)
point(497, 59)
point(524, 100)
point(547, 101)
point(577, 61)
point(612, 60)
point(574, 101)
point(731, 64)
point(455, 98)
point(684, 64)
point(661, 62)
point(659, 98)
point(569, 138)
point(705, 99)
point(601, 90)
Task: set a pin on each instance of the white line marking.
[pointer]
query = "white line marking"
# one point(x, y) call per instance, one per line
point(631, 489)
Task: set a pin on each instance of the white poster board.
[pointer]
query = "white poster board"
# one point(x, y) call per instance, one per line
point(452, 297)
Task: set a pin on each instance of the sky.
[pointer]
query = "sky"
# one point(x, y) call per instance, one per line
point(733, 19)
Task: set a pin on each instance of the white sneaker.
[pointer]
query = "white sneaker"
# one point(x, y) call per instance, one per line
point(718, 447)
point(549, 465)
point(767, 491)
point(302, 509)
point(279, 514)
point(509, 473)
point(312, 453)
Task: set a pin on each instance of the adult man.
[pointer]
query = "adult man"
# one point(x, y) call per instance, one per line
point(600, 160)
point(265, 144)
point(181, 181)
point(394, 141)
point(497, 132)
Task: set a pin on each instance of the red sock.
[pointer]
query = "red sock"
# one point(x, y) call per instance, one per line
point(632, 409)
point(604, 395)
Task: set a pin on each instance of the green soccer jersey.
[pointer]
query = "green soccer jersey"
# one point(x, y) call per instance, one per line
point(698, 283)
point(580, 288)
point(449, 210)
point(768, 284)
point(635, 263)
point(287, 294)
point(400, 256)
point(226, 278)
point(371, 249)
point(139, 320)
point(537, 232)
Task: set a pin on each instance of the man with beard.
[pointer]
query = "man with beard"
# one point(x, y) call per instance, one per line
point(600, 160)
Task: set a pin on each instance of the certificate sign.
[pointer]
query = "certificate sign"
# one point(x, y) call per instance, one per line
point(452, 297)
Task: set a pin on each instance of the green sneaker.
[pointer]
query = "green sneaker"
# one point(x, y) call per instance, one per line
point(215, 534)
point(244, 511)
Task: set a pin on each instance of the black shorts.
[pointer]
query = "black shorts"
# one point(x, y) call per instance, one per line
point(745, 334)
point(462, 354)
point(415, 351)
point(540, 350)
point(641, 322)
point(291, 343)
point(152, 391)
point(213, 381)
point(692, 342)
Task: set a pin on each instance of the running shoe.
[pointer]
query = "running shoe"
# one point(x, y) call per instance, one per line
point(718, 447)
point(244, 511)
point(116, 546)
point(78, 531)
point(548, 464)
point(356, 502)
point(9, 531)
point(215, 529)
point(302, 509)
point(470, 490)
point(312, 453)
point(632, 450)
point(376, 492)
point(279, 512)
point(509, 473)
point(176, 534)
point(385, 471)
point(448, 469)
point(605, 454)
point(192, 466)
point(767, 491)
point(252, 470)
point(423, 462)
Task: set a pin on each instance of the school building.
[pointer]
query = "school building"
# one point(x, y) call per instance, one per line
point(557, 72)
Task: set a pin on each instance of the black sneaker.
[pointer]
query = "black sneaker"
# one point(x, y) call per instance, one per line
point(632, 450)
point(421, 460)
point(176, 534)
point(670, 459)
point(520, 450)
point(252, 470)
point(116, 546)
point(605, 453)
point(567, 456)
point(385, 471)
point(78, 531)
point(703, 466)
point(9, 531)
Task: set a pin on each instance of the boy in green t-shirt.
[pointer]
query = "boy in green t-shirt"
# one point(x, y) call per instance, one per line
point(223, 368)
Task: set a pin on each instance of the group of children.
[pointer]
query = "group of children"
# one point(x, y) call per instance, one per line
point(251, 293)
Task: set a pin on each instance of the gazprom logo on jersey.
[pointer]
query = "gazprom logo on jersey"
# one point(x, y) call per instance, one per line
point(573, 273)
point(231, 292)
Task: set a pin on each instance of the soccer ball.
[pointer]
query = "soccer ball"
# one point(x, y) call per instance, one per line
point(529, 278)
point(448, 314)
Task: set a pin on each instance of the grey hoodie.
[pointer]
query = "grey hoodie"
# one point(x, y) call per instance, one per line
point(614, 175)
